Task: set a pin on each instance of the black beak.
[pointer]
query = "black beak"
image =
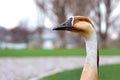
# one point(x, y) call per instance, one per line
point(65, 26)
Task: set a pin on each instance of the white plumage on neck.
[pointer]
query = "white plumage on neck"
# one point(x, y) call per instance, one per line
point(91, 48)
point(90, 69)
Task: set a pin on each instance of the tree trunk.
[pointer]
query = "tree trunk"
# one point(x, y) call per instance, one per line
point(103, 40)
point(59, 10)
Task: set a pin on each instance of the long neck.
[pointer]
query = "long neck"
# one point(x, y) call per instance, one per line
point(90, 70)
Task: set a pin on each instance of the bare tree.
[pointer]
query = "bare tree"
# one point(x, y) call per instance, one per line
point(100, 17)
point(80, 7)
point(19, 34)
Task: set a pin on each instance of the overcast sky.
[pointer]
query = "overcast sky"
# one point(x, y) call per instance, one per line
point(13, 11)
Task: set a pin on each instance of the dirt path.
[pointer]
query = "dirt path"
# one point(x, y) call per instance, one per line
point(36, 68)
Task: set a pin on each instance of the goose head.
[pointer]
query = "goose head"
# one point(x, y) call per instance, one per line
point(78, 24)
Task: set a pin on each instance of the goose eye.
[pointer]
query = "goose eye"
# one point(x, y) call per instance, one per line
point(80, 19)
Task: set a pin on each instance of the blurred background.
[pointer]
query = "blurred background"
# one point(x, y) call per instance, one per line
point(28, 23)
point(31, 50)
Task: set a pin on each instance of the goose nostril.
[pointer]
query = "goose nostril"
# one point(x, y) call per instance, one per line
point(64, 24)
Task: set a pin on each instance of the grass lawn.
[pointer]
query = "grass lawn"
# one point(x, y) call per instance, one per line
point(55, 52)
point(109, 72)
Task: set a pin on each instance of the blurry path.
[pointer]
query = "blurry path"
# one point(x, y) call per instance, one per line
point(36, 68)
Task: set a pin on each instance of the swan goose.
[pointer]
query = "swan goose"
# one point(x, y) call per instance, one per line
point(83, 26)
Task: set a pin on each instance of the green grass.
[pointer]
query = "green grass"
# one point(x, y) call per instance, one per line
point(55, 52)
point(109, 72)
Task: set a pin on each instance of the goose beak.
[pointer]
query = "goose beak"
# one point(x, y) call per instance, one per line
point(67, 25)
